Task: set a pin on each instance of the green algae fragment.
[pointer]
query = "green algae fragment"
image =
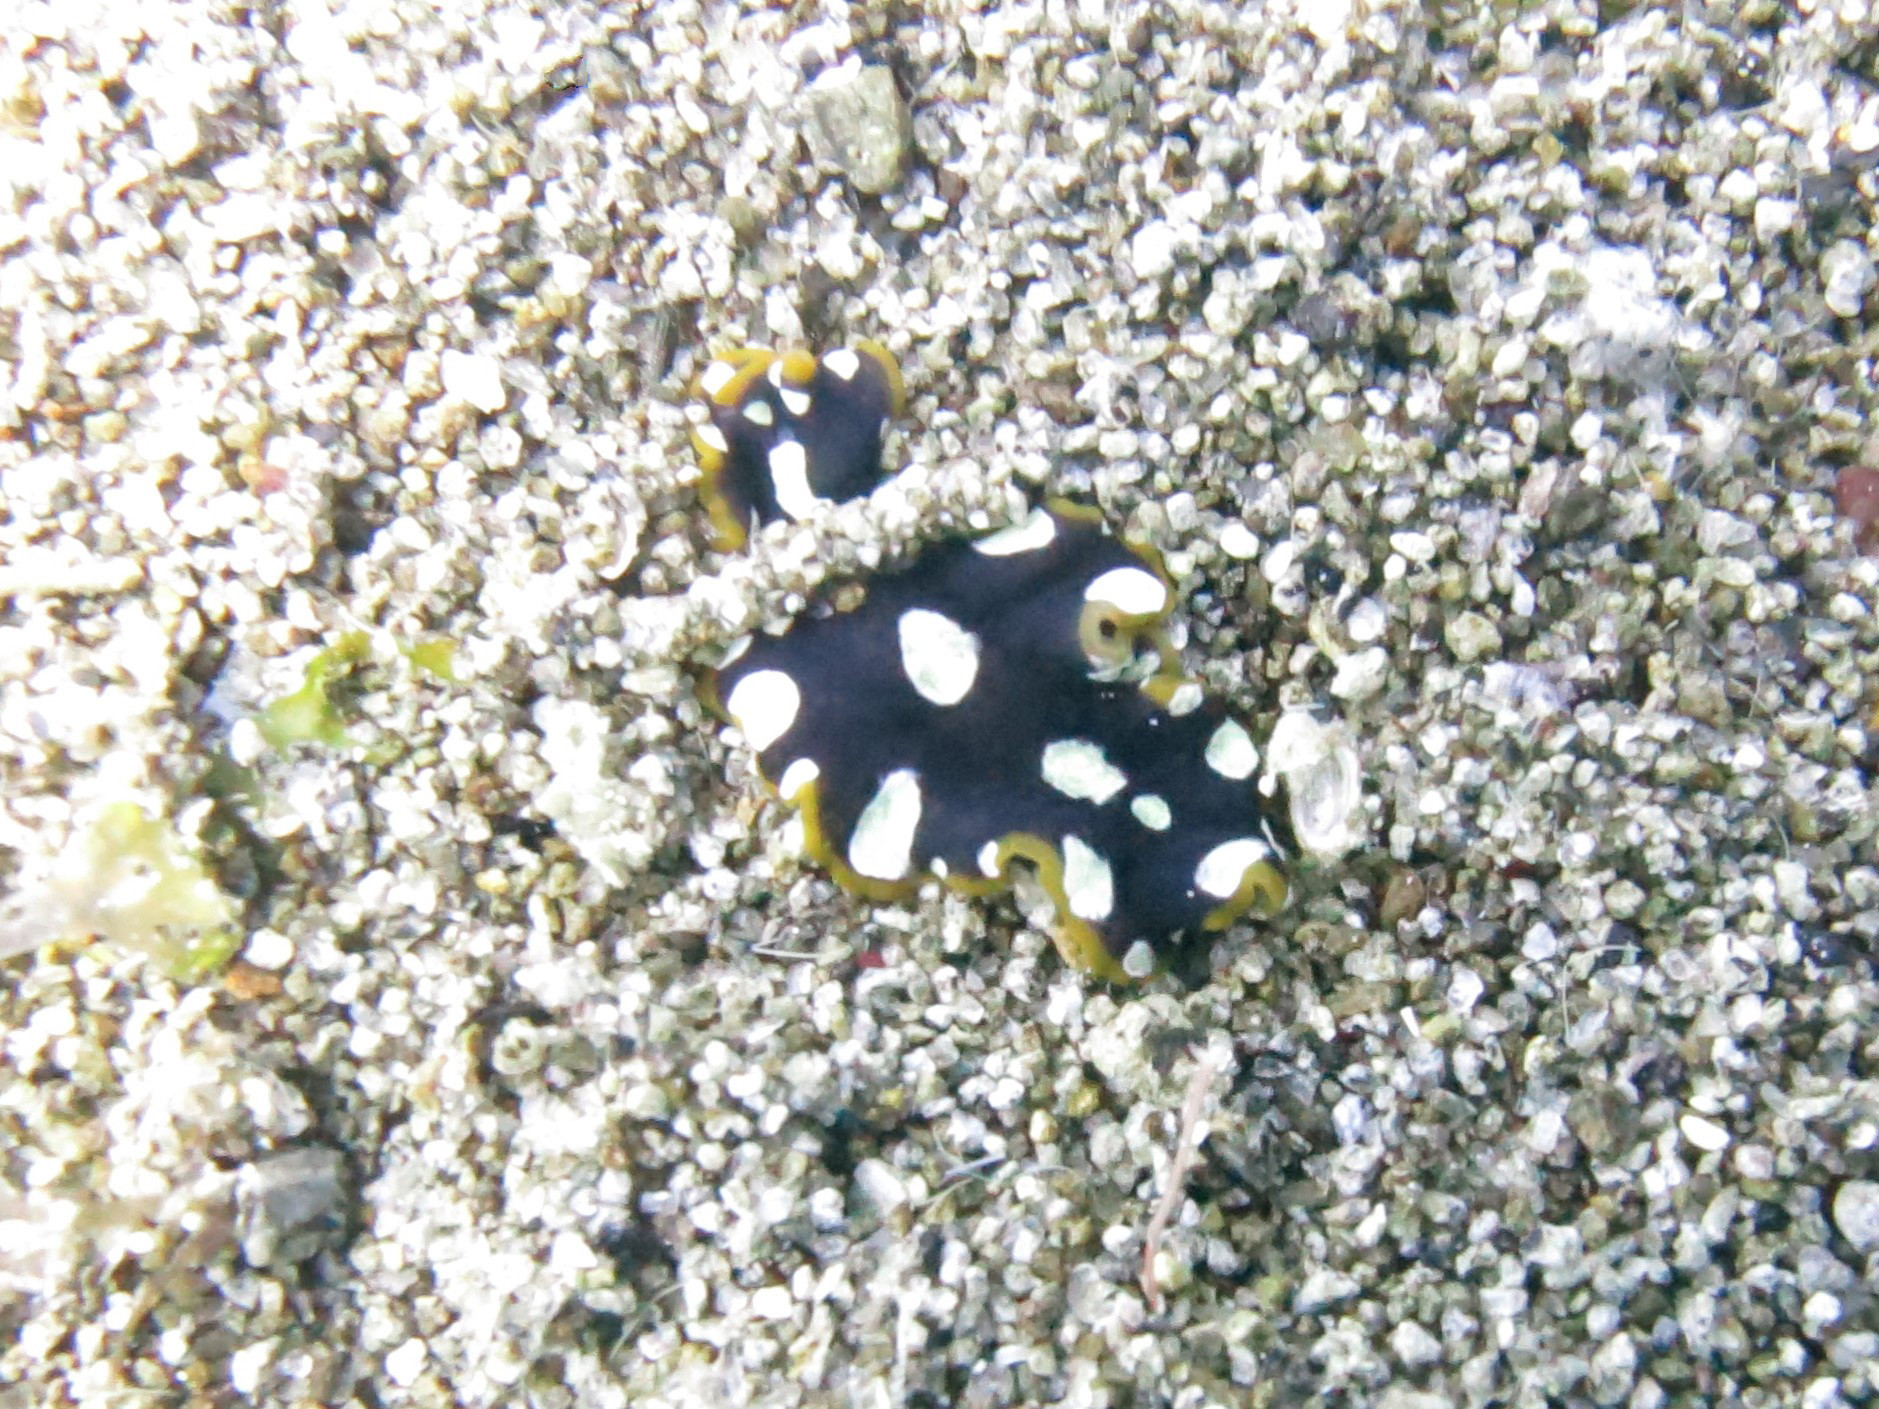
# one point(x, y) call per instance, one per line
point(316, 713)
point(436, 657)
point(311, 715)
point(127, 879)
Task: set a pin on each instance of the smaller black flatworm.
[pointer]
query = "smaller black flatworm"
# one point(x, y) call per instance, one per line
point(789, 431)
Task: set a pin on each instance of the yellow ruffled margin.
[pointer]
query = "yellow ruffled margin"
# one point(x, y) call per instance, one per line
point(1262, 889)
point(728, 534)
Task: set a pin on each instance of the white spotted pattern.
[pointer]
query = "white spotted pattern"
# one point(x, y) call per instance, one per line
point(1221, 870)
point(764, 704)
point(758, 413)
point(1038, 531)
point(1132, 591)
point(1152, 811)
point(799, 775)
point(988, 859)
point(1139, 962)
point(1088, 883)
point(716, 378)
point(1080, 769)
point(714, 437)
point(789, 477)
point(1230, 752)
point(843, 363)
point(795, 402)
point(882, 845)
point(940, 656)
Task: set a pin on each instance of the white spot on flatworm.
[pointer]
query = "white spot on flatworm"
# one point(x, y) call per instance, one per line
point(940, 656)
point(1152, 811)
point(882, 845)
point(939, 867)
point(1079, 768)
point(1132, 591)
point(1221, 869)
point(1088, 882)
point(714, 437)
point(1038, 531)
point(843, 363)
point(789, 477)
point(1230, 752)
point(716, 377)
point(1186, 699)
point(796, 777)
point(1139, 962)
point(758, 413)
point(988, 859)
point(764, 704)
point(795, 402)
point(1265, 830)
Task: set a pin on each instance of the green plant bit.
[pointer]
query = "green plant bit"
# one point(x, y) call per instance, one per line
point(128, 879)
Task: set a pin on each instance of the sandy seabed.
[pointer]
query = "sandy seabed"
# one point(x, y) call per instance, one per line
point(460, 1028)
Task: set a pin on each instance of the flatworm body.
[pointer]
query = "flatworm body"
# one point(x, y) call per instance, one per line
point(789, 431)
point(1008, 700)
point(1013, 699)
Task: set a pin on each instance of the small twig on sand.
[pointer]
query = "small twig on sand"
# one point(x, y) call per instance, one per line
point(1185, 1144)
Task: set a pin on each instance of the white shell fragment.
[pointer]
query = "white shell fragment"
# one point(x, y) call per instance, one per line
point(1319, 766)
point(1856, 1213)
point(1239, 541)
point(473, 378)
